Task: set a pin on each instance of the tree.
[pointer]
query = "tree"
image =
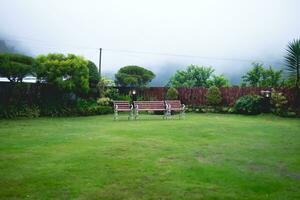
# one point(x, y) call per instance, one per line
point(15, 66)
point(94, 77)
point(292, 61)
point(271, 78)
point(133, 76)
point(258, 76)
point(197, 76)
point(69, 72)
point(219, 81)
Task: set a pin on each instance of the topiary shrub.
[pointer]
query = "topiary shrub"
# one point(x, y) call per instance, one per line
point(249, 105)
point(213, 96)
point(172, 94)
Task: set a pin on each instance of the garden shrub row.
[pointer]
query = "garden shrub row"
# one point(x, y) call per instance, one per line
point(247, 105)
point(81, 107)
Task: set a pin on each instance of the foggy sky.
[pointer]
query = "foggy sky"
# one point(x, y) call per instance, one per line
point(227, 35)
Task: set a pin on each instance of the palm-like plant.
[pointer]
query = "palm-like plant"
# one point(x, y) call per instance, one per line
point(292, 60)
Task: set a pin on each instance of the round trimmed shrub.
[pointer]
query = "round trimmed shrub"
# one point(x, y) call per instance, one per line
point(213, 96)
point(249, 105)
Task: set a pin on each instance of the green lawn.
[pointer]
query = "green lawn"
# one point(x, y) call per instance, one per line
point(205, 156)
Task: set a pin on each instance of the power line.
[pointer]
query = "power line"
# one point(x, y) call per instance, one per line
point(143, 52)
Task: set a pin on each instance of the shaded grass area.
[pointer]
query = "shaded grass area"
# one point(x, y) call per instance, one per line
point(205, 156)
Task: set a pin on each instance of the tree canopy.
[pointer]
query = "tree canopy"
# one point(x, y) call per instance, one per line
point(15, 66)
point(133, 76)
point(197, 76)
point(67, 72)
point(94, 76)
point(258, 76)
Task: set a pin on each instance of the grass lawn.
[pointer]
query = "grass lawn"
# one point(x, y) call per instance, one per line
point(205, 156)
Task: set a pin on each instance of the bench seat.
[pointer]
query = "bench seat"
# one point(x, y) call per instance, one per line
point(122, 106)
point(149, 106)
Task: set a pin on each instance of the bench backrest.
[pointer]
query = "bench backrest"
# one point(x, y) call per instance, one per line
point(149, 105)
point(175, 104)
point(122, 104)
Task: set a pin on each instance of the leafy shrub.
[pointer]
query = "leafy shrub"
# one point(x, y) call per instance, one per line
point(82, 107)
point(249, 105)
point(14, 111)
point(278, 103)
point(90, 107)
point(104, 101)
point(172, 94)
point(30, 112)
point(213, 96)
point(123, 97)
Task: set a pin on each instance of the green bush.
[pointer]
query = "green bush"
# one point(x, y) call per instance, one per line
point(172, 94)
point(123, 98)
point(104, 101)
point(278, 103)
point(213, 96)
point(30, 112)
point(82, 107)
point(14, 111)
point(249, 105)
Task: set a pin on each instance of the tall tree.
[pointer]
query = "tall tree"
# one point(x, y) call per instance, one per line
point(133, 76)
point(219, 81)
point(292, 60)
point(15, 66)
point(94, 78)
point(197, 76)
point(258, 76)
point(67, 72)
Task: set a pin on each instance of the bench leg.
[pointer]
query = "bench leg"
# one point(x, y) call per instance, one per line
point(165, 115)
point(115, 115)
point(169, 113)
point(130, 116)
point(136, 114)
point(182, 114)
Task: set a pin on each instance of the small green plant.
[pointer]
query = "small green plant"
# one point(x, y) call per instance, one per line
point(104, 101)
point(249, 105)
point(278, 103)
point(213, 96)
point(172, 94)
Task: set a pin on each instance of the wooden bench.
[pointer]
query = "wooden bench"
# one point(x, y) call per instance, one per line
point(122, 106)
point(149, 106)
point(176, 106)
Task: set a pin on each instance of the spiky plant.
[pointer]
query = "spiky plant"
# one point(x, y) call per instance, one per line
point(292, 60)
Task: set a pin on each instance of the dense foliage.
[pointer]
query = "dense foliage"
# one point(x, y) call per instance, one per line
point(292, 60)
point(279, 103)
point(249, 104)
point(213, 96)
point(172, 94)
point(81, 107)
point(15, 66)
point(70, 73)
point(258, 76)
point(133, 76)
point(94, 77)
point(197, 76)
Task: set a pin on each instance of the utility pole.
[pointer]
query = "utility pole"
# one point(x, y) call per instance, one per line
point(100, 57)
